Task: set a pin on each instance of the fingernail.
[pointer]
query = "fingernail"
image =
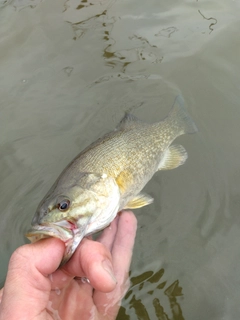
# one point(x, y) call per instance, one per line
point(108, 267)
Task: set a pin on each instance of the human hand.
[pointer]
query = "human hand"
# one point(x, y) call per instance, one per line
point(36, 290)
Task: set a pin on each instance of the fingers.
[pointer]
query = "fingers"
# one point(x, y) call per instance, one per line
point(93, 261)
point(31, 274)
point(123, 244)
point(27, 278)
point(108, 235)
point(1, 293)
point(108, 305)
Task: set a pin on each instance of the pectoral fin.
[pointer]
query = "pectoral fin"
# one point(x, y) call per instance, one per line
point(174, 157)
point(139, 201)
point(124, 180)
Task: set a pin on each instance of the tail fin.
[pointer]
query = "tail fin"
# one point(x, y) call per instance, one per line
point(180, 119)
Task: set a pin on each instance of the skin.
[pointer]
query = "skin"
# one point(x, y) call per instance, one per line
point(36, 290)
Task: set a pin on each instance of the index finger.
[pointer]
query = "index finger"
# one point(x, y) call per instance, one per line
point(91, 260)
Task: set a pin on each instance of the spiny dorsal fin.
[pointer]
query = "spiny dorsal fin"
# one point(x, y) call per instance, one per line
point(174, 157)
point(139, 201)
point(129, 121)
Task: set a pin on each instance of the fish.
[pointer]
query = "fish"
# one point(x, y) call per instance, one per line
point(108, 176)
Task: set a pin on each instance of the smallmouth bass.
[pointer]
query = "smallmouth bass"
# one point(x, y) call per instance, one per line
point(108, 176)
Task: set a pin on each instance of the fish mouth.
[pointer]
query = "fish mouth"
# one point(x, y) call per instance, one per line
point(67, 231)
point(64, 230)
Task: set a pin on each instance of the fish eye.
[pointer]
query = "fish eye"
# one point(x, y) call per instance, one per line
point(64, 205)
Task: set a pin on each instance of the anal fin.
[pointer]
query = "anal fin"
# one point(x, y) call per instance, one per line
point(174, 157)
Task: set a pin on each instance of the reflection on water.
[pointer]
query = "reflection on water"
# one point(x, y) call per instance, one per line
point(212, 20)
point(158, 288)
point(69, 70)
point(20, 4)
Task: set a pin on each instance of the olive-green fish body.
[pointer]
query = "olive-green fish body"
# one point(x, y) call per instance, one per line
point(108, 176)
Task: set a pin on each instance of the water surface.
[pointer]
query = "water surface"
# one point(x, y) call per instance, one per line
point(69, 70)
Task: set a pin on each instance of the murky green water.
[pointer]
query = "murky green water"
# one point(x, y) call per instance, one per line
point(68, 72)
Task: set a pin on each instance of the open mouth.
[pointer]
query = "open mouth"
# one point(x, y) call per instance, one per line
point(64, 230)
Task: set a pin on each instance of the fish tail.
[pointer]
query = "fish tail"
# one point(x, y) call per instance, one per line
point(180, 119)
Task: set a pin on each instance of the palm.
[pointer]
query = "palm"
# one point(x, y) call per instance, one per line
point(76, 301)
point(33, 290)
point(72, 298)
point(72, 301)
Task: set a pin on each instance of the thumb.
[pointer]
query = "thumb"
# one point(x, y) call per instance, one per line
point(27, 287)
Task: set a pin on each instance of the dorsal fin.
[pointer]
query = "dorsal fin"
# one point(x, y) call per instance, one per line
point(129, 121)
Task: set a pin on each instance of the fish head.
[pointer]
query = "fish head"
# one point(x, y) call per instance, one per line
point(72, 211)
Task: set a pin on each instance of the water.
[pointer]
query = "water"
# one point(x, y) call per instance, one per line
point(69, 70)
